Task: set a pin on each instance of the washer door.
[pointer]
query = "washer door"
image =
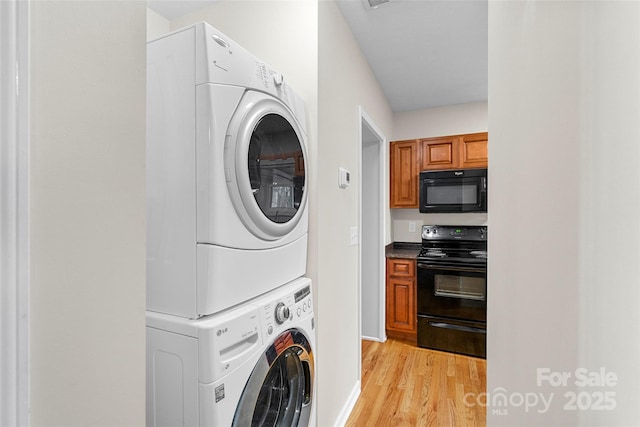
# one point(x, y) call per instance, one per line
point(265, 158)
point(279, 390)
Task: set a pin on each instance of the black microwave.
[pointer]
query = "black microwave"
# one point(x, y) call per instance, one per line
point(463, 190)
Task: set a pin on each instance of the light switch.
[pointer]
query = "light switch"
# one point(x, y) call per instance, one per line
point(344, 178)
point(412, 227)
point(353, 231)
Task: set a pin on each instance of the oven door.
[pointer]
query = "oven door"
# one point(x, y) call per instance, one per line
point(452, 291)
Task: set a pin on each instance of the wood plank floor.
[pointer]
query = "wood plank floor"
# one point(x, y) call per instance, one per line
point(404, 385)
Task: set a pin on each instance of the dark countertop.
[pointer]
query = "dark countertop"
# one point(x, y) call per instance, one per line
point(402, 250)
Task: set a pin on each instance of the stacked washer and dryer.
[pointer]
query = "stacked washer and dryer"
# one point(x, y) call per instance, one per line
point(230, 324)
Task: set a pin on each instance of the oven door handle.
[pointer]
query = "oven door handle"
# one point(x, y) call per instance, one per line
point(457, 327)
point(451, 268)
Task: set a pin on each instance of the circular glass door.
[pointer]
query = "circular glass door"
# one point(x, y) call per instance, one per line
point(267, 158)
point(279, 391)
point(281, 396)
point(276, 168)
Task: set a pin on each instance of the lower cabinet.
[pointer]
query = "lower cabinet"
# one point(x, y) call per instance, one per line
point(401, 311)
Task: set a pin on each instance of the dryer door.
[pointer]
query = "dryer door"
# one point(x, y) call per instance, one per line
point(265, 158)
point(279, 390)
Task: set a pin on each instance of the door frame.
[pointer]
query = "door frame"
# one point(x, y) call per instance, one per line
point(14, 213)
point(364, 119)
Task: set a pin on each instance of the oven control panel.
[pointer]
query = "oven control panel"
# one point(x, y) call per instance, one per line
point(449, 232)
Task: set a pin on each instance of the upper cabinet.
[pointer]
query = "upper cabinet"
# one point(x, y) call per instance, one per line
point(454, 152)
point(440, 153)
point(474, 150)
point(410, 157)
point(404, 174)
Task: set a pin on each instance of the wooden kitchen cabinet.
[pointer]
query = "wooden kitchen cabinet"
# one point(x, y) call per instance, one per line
point(439, 153)
point(401, 310)
point(404, 171)
point(409, 157)
point(474, 151)
point(455, 152)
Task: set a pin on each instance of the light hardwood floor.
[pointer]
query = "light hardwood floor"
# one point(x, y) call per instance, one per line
point(404, 385)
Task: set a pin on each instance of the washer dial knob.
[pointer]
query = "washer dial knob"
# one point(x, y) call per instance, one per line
point(282, 313)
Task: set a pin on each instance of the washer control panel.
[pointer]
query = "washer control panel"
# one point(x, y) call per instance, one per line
point(304, 304)
point(282, 313)
point(279, 313)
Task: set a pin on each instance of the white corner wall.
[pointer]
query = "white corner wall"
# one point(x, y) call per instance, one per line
point(427, 123)
point(564, 102)
point(345, 83)
point(87, 211)
point(157, 25)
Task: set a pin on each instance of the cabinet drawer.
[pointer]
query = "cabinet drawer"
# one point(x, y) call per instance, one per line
point(401, 268)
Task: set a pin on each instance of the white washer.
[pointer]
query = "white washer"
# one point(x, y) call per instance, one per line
point(227, 212)
point(251, 365)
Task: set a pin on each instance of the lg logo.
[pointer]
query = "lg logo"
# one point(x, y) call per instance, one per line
point(222, 331)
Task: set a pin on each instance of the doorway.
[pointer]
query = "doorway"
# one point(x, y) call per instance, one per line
point(372, 220)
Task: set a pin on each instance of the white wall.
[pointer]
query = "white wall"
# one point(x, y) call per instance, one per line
point(157, 25)
point(610, 194)
point(564, 98)
point(441, 121)
point(432, 122)
point(345, 83)
point(87, 212)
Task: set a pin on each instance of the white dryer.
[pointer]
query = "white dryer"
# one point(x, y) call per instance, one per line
point(226, 175)
point(252, 365)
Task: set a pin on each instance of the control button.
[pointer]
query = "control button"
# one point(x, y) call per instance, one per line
point(299, 312)
point(222, 42)
point(304, 307)
point(278, 79)
point(282, 313)
point(270, 330)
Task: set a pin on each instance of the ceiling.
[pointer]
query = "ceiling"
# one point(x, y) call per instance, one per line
point(424, 53)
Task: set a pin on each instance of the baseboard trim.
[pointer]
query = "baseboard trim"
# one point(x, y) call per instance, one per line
point(348, 406)
point(376, 339)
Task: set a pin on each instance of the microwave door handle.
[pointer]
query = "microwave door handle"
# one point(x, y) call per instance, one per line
point(483, 184)
point(450, 268)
